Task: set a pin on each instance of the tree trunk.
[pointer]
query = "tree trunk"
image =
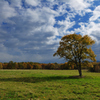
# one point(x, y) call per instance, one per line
point(79, 69)
point(80, 72)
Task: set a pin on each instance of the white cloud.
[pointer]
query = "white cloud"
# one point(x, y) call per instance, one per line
point(77, 6)
point(92, 29)
point(96, 14)
point(65, 25)
point(6, 11)
point(15, 3)
point(80, 6)
point(33, 2)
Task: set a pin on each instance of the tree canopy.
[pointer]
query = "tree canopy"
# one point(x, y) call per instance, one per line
point(76, 48)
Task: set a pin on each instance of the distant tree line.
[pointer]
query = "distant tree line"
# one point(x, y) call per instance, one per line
point(93, 66)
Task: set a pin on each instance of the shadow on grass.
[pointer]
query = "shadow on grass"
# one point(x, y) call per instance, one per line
point(38, 79)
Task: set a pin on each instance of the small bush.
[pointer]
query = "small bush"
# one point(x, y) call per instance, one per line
point(29, 66)
point(37, 66)
point(97, 68)
point(94, 68)
point(1, 66)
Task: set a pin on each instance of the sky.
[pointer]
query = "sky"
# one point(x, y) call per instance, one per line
point(30, 30)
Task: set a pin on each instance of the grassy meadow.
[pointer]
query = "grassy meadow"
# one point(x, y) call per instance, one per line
point(48, 85)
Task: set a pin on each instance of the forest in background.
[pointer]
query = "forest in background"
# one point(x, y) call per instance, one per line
point(92, 66)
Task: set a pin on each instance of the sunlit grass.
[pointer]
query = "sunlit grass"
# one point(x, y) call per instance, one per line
point(48, 85)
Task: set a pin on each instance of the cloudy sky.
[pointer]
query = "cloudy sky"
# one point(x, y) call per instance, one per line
point(30, 30)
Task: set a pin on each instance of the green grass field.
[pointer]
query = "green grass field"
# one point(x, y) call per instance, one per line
point(48, 85)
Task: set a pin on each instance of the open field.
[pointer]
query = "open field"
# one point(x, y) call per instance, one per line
point(48, 85)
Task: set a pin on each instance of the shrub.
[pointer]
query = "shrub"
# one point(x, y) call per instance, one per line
point(43, 66)
point(64, 66)
point(90, 67)
point(20, 66)
point(37, 66)
point(97, 68)
point(1, 66)
point(50, 66)
point(5, 65)
point(29, 66)
point(11, 65)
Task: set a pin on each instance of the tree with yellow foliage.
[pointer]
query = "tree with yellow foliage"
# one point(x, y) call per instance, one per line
point(76, 48)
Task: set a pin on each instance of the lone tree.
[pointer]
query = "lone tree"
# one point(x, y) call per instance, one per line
point(77, 49)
